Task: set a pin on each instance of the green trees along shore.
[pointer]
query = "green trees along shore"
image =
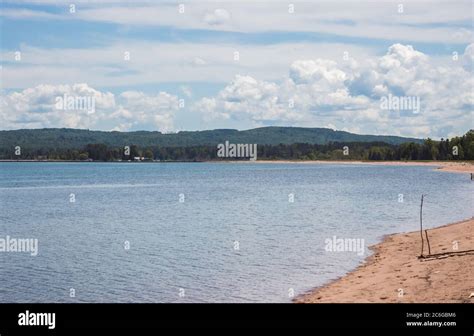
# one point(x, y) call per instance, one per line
point(456, 148)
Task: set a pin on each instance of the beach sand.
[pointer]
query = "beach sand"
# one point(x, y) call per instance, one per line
point(394, 273)
point(457, 167)
point(449, 166)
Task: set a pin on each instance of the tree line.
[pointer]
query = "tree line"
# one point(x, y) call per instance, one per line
point(457, 148)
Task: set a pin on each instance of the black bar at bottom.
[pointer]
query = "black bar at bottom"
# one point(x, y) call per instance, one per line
point(431, 319)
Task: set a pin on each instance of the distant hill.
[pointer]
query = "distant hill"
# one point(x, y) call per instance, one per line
point(62, 138)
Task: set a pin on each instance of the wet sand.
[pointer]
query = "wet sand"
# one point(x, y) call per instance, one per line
point(394, 273)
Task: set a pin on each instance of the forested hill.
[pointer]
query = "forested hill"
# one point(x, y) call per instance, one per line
point(65, 138)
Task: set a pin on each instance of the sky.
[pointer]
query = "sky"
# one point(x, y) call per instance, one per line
point(196, 65)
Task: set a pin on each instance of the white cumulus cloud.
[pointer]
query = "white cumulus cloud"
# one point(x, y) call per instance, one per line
point(38, 107)
point(324, 92)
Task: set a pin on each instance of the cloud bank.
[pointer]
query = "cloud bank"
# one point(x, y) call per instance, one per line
point(343, 94)
point(37, 108)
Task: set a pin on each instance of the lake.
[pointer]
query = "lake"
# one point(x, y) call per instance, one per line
point(205, 232)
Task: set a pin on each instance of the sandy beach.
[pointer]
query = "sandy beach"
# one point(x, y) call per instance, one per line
point(394, 273)
point(448, 166)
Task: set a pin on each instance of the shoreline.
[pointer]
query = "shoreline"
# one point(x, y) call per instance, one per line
point(447, 166)
point(395, 274)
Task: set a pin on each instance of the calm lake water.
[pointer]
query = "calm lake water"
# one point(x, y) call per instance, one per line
point(203, 232)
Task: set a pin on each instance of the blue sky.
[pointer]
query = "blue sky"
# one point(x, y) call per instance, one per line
point(332, 60)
